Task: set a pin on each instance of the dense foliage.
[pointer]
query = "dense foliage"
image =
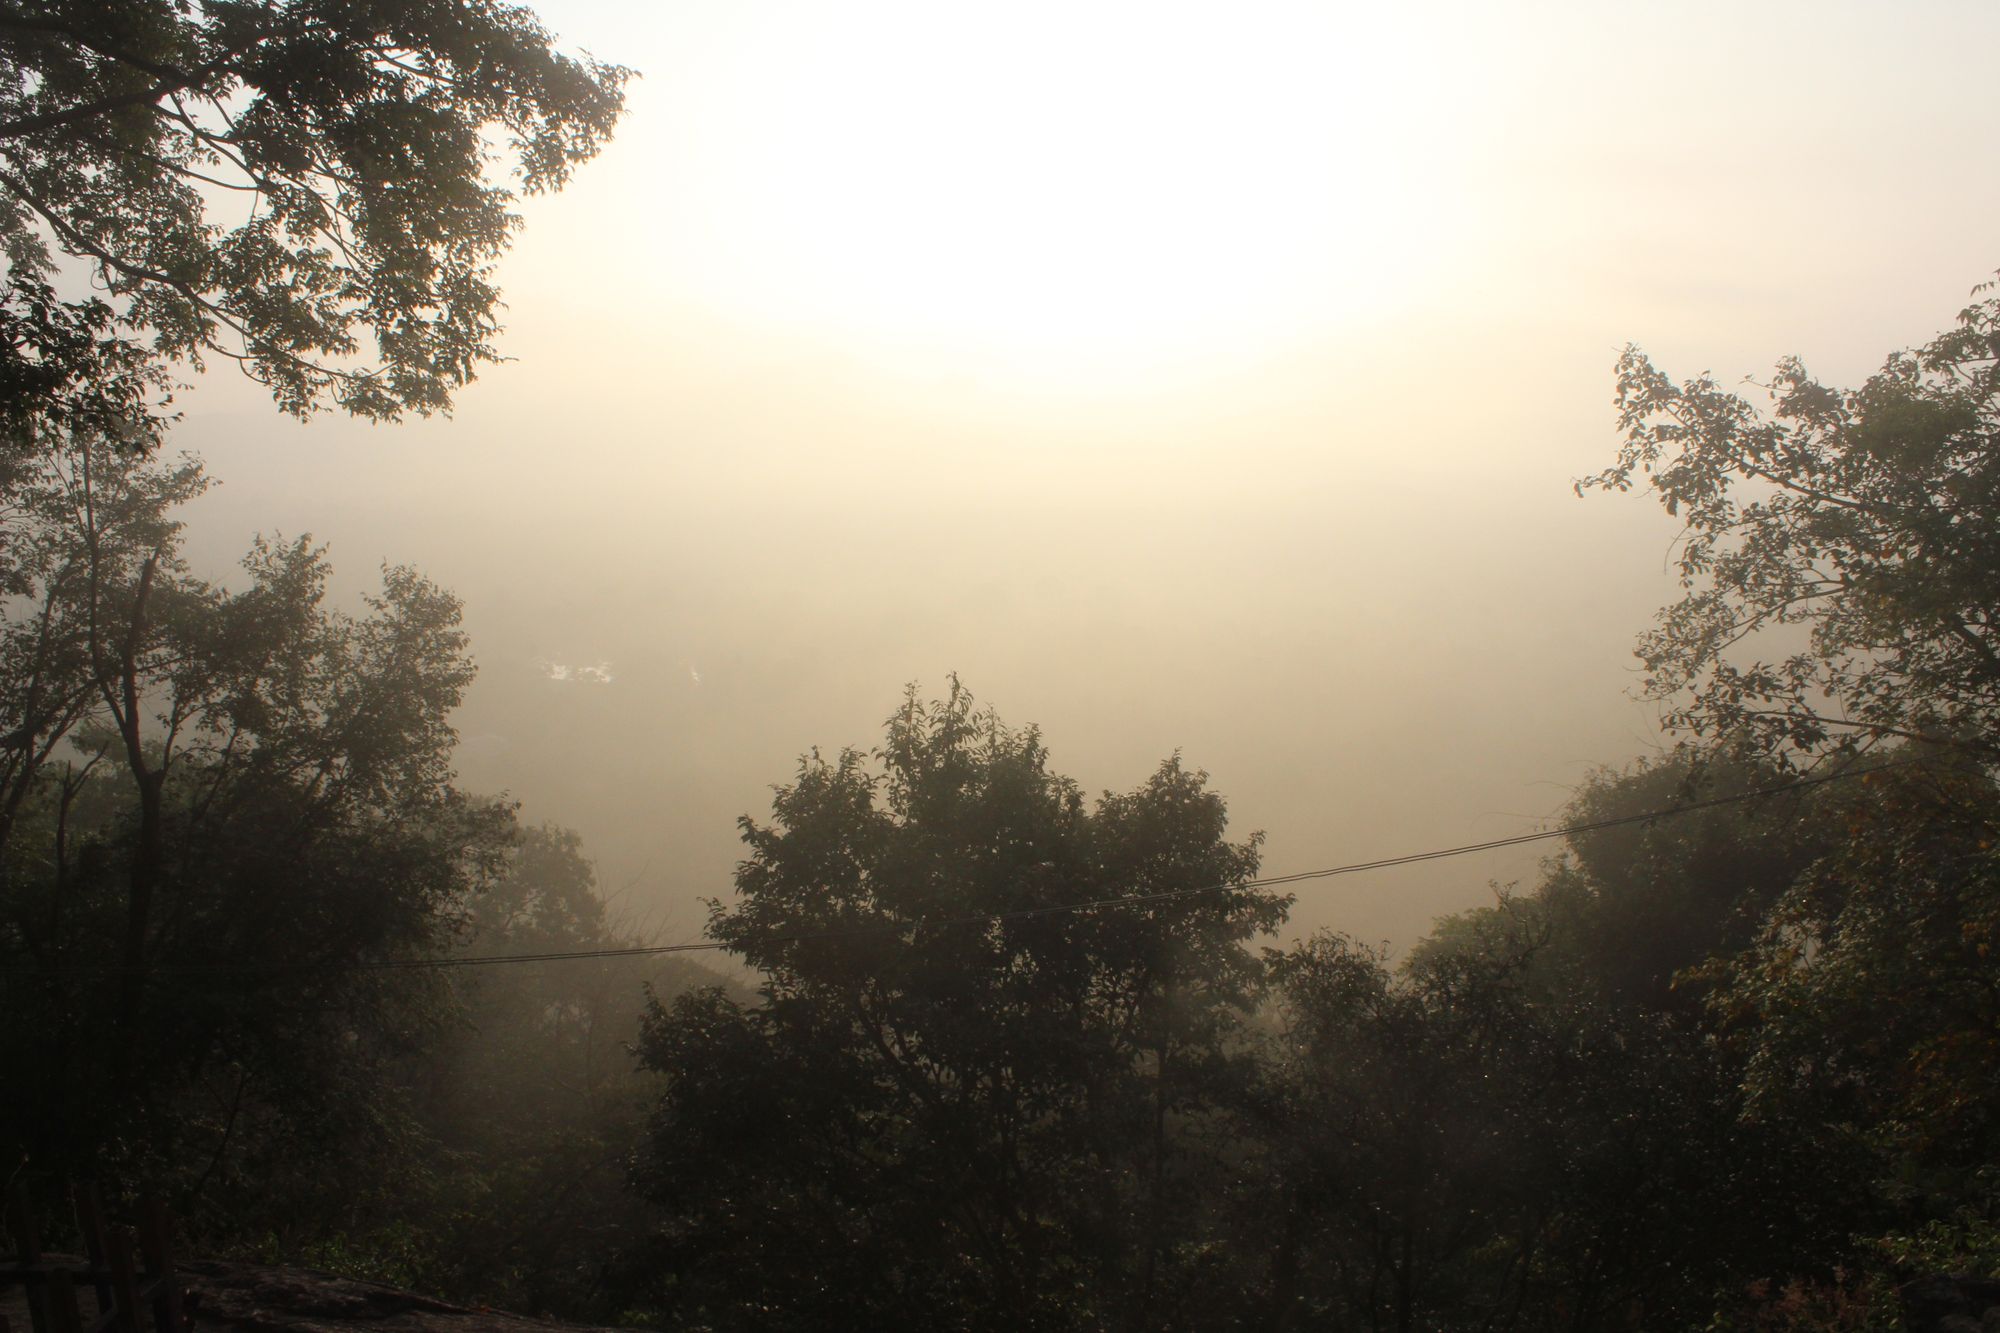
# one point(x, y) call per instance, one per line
point(951, 1100)
point(1014, 1058)
point(224, 805)
point(214, 803)
point(1632, 1097)
point(353, 142)
point(1728, 1067)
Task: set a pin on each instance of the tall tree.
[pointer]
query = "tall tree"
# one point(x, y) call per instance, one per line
point(1838, 563)
point(1867, 519)
point(959, 1103)
point(352, 141)
point(214, 804)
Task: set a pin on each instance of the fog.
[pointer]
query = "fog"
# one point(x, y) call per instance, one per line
point(1285, 485)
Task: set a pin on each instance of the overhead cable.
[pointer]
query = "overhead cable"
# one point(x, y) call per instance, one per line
point(1117, 902)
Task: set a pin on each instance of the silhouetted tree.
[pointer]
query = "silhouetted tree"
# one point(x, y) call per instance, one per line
point(1626, 915)
point(941, 1114)
point(1870, 519)
point(1465, 1145)
point(1860, 530)
point(216, 806)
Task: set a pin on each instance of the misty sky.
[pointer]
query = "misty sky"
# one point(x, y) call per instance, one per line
point(1206, 377)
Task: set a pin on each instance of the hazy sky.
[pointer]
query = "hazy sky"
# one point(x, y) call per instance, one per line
point(1185, 376)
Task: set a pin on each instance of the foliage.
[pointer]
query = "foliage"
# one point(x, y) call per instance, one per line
point(1657, 1173)
point(505, 1181)
point(1857, 530)
point(351, 141)
point(216, 806)
point(1966, 1242)
point(955, 1107)
point(1842, 1303)
point(1464, 1145)
point(1624, 916)
point(536, 1101)
point(68, 377)
point(1868, 998)
point(1864, 523)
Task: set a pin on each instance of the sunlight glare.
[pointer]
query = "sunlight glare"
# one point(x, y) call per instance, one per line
point(1077, 189)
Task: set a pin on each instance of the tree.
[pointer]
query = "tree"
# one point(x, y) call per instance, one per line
point(1626, 916)
point(1468, 1142)
point(352, 141)
point(1866, 522)
point(1541, 1120)
point(504, 1182)
point(1862, 530)
point(67, 375)
point(959, 1103)
point(1869, 1001)
point(216, 806)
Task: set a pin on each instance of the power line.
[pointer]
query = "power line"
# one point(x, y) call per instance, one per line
point(1116, 902)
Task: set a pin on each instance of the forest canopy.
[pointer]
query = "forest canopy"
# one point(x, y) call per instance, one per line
point(984, 1050)
point(231, 840)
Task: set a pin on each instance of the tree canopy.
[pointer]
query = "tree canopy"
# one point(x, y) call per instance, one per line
point(934, 1116)
point(1014, 1058)
point(1838, 556)
point(302, 186)
point(1838, 563)
point(215, 803)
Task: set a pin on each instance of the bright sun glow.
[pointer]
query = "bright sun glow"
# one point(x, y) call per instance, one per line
point(1072, 188)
